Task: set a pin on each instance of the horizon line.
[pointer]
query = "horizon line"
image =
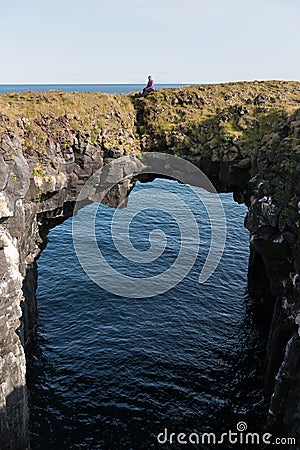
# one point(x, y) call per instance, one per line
point(142, 84)
point(94, 84)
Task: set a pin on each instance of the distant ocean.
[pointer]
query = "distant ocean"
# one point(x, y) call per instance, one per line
point(108, 372)
point(106, 88)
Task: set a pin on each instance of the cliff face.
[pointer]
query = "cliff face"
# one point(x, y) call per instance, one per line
point(246, 139)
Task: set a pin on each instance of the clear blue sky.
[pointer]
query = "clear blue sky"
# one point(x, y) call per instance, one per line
point(188, 41)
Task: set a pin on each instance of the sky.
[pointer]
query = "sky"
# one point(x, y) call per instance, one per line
point(122, 41)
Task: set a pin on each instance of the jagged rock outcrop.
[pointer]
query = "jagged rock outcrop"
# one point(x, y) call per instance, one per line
point(246, 139)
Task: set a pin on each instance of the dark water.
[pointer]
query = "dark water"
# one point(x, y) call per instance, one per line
point(109, 372)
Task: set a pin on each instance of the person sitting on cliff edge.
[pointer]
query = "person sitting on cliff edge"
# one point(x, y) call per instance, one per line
point(150, 86)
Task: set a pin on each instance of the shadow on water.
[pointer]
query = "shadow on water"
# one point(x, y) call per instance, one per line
point(228, 392)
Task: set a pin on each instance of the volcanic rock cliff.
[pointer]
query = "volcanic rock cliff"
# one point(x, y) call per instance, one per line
point(246, 139)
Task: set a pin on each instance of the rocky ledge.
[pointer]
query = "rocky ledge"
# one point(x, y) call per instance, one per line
point(246, 139)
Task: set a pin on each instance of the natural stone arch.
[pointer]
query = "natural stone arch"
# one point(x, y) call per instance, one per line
point(244, 136)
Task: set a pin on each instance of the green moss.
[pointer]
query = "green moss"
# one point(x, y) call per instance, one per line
point(27, 142)
point(94, 135)
point(100, 124)
point(265, 124)
point(166, 126)
point(231, 129)
point(13, 176)
point(38, 171)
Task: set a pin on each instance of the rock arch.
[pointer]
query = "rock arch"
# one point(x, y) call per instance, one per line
point(246, 139)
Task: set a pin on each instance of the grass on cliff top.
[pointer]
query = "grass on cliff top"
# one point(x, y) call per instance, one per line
point(27, 110)
point(38, 116)
point(205, 99)
point(168, 108)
